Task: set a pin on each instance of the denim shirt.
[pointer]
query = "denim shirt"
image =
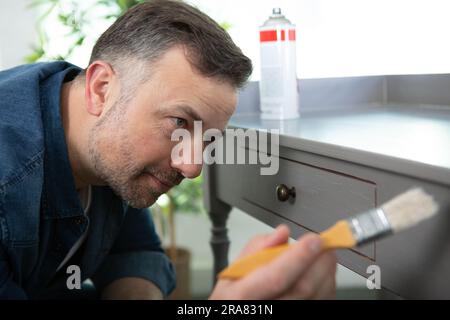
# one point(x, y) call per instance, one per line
point(41, 216)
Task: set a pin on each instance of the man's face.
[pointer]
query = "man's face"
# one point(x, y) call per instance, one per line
point(130, 146)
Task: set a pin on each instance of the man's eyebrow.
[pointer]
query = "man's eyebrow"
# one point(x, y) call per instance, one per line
point(188, 110)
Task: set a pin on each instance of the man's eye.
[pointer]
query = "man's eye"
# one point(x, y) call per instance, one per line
point(180, 122)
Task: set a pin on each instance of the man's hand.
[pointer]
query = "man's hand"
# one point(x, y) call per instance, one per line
point(304, 271)
point(131, 289)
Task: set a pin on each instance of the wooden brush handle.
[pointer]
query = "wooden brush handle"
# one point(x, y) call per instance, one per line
point(338, 236)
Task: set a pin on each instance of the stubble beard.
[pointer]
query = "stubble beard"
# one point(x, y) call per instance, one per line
point(113, 163)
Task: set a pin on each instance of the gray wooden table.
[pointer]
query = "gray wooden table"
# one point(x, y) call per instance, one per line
point(359, 142)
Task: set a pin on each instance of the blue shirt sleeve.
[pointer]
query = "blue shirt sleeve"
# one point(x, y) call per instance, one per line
point(137, 252)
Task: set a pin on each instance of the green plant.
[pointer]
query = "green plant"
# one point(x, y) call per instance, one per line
point(76, 18)
point(187, 197)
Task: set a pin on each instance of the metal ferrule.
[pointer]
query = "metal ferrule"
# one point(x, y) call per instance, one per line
point(369, 225)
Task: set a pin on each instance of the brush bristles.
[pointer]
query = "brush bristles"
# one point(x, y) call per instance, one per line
point(409, 208)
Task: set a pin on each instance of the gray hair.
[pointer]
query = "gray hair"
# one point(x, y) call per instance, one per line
point(146, 31)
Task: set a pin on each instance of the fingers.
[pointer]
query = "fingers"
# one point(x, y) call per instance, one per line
point(274, 279)
point(318, 282)
point(320, 272)
point(279, 236)
point(328, 288)
point(327, 291)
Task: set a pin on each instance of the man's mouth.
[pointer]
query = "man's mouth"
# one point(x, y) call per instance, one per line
point(162, 184)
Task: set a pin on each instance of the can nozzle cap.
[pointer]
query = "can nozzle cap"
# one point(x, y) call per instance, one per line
point(276, 18)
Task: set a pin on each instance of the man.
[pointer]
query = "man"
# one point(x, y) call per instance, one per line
point(82, 152)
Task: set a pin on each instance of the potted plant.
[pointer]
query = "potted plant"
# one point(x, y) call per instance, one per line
point(185, 198)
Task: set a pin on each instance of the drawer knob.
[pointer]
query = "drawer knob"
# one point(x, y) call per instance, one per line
point(284, 193)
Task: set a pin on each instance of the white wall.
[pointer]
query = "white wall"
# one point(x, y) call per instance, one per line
point(348, 37)
point(17, 32)
point(334, 38)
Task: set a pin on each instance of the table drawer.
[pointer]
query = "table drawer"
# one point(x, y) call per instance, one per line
point(323, 196)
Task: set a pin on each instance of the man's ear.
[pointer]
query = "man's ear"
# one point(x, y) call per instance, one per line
point(99, 77)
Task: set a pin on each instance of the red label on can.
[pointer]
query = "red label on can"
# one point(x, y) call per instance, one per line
point(271, 35)
point(268, 35)
point(291, 35)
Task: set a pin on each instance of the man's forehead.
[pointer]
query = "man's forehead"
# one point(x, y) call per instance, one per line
point(176, 81)
point(221, 100)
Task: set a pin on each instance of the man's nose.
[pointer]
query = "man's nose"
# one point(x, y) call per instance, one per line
point(189, 160)
point(189, 171)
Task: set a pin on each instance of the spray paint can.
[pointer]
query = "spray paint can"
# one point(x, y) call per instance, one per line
point(278, 86)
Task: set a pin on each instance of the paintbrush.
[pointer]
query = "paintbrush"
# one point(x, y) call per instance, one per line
point(402, 212)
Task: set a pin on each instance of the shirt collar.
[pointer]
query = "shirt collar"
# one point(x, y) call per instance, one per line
point(60, 198)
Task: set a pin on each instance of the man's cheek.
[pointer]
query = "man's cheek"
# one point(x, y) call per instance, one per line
point(158, 153)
